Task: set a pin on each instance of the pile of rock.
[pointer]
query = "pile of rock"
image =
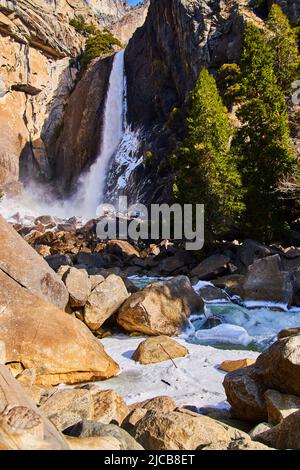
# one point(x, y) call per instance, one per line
point(268, 393)
point(91, 418)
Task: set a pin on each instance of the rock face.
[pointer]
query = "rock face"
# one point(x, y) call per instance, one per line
point(76, 146)
point(158, 349)
point(124, 28)
point(160, 309)
point(211, 267)
point(21, 263)
point(41, 337)
point(37, 75)
point(104, 301)
point(180, 36)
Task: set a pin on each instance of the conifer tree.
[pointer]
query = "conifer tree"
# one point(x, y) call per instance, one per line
point(282, 39)
point(263, 141)
point(206, 173)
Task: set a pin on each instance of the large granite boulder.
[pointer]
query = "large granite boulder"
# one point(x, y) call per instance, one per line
point(161, 308)
point(42, 337)
point(266, 282)
point(22, 264)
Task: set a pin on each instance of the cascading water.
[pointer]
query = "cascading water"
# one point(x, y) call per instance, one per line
point(114, 164)
point(92, 184)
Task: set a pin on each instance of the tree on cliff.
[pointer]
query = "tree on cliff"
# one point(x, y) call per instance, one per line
point(282, 39)
point(262, 143)
point(206, 172)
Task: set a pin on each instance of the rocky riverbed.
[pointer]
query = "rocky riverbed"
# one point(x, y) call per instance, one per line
point(115, 342)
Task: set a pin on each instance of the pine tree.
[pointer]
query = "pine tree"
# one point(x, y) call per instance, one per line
point(206, 173)
point(263, 141)
point(282, 39)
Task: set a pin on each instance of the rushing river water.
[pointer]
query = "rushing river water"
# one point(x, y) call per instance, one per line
point(241, 328)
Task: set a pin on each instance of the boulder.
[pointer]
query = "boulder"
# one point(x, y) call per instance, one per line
point(22, 426)
point(212, 294)
point(86, 429)
point(21, 263)
point(181, 430)
point(233, 284)
point(106, 298)
point(260, 428)
point(211, 267)
point(161, 308)
point(230, 366)
point(240, 444)
point(158, 349)
point(286, 435)
point(288, 332)
point(249, 252)
point(94, 443)
point(70, 406)
point(280, 366)
point(163, 404)
point(42, 337)
point(56, 261)
point(121, 248)
point(280, 405)
point(266, 282)
point(79, 286)
point(245, 395)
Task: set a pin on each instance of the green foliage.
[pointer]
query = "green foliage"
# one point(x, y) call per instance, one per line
point(82, 27)
point(262, 143)
point(228, 81)
point(98, 45)
point(206, 171)
point(282, 39)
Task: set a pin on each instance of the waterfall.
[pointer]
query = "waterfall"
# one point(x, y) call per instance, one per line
point(92, 184)
point(110, 174)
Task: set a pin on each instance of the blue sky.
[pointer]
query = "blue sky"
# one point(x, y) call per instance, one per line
point(133, 2)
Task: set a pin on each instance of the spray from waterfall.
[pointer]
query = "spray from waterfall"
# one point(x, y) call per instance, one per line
point(117, 154)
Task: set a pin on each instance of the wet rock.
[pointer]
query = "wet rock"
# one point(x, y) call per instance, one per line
point(288, 332)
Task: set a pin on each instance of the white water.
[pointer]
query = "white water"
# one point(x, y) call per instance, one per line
point(92, 184)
